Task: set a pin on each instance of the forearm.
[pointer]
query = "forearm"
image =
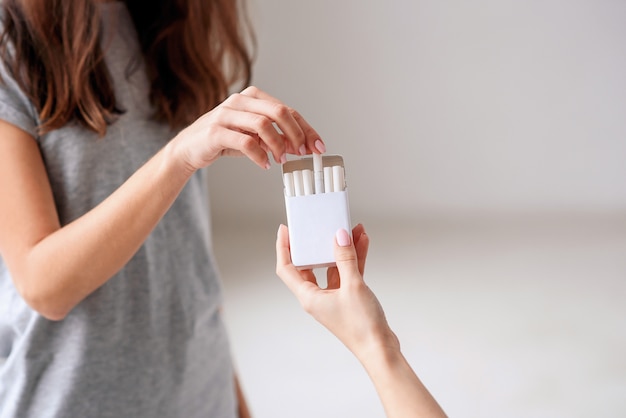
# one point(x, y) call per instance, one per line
point(399, 388)
point(73, 261)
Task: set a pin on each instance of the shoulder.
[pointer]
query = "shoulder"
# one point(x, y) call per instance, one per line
point(16, 107)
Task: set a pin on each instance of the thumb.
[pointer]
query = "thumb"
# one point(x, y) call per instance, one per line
point(345, 256)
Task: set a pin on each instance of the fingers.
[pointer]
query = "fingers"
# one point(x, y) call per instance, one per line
point(292, 277)
point(361, 253)
point(251, 123)
point(302, 136)
point(333, 280)
point(361, 244)
point(273, 111)
point(357, 231)
point(244, 143)
point(283, 259)
point(346, 257)
point(257, 125)
point(313, 140)
point(223, 141)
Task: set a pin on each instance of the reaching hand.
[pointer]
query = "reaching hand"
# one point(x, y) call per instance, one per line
point(347, 307)
point(245, 124)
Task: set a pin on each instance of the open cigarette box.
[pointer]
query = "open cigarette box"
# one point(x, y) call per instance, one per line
point(316, 202)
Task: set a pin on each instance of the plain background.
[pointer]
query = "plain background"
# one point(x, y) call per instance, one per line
point(449, 106)
point(485, 147)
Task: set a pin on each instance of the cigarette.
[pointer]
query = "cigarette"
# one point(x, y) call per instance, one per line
point(307, 179)
point(338, 179)
point(328, 179)
point(288, 180)
point(297, 183)
point(318, 172)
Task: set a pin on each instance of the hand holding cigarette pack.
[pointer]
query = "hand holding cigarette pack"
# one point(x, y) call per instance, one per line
point(316, 201)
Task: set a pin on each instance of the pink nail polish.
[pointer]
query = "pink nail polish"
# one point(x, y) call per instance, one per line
point(320, 146)
point(342, 237)
point(302, 149)
point(283, 159)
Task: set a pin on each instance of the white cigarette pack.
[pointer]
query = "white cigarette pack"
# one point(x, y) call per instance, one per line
point(314, 218)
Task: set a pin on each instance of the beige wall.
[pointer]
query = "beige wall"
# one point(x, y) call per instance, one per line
point(447, 106)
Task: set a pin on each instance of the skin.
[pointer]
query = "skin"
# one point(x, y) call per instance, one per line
point(351, 311)
point(56, 267)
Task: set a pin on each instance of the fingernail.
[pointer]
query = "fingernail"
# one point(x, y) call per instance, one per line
point(343, 239)
point(283, 158)
point(268, 165)
point(320, 146)
point(302, 149)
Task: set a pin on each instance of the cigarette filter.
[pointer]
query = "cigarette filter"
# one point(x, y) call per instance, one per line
point(328, 179)
point(298, 183)
point(307, 179)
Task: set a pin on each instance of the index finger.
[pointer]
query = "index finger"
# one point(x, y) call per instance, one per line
point(313, 141)
point(283, 254)
point(361, 243)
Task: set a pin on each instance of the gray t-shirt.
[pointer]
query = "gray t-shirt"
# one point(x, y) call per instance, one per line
point(150, 342)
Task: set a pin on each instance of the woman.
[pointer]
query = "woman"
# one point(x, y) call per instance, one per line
point(109, 296)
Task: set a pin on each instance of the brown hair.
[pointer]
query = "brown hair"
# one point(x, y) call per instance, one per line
point(194, 51)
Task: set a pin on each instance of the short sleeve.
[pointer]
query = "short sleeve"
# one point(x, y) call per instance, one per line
point(15, 106)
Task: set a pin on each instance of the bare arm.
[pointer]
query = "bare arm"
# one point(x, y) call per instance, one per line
point(401, 391)
point(54, 267)
point(350, 310)
point(243, 410)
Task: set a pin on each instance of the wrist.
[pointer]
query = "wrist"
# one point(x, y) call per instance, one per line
point(384, 348)
point(176, 158)
point(382, 363)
